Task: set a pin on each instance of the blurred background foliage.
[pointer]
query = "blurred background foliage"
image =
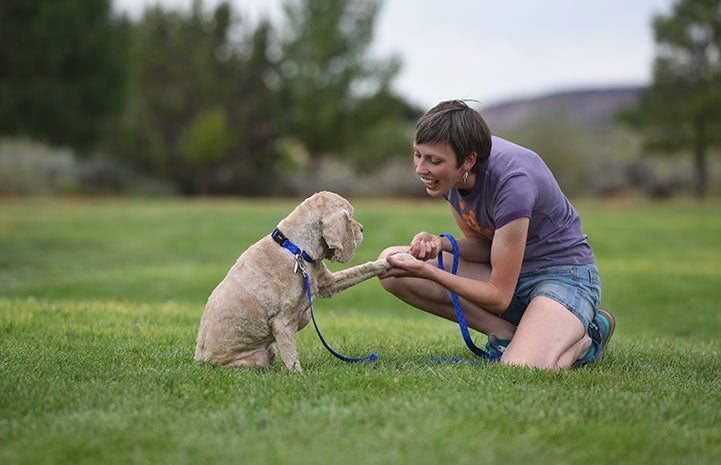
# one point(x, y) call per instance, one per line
point(204, 102)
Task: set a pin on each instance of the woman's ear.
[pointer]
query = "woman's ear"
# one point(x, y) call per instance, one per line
point(470, 161)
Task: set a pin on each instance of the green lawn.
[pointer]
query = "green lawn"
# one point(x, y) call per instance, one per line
point(100, 302)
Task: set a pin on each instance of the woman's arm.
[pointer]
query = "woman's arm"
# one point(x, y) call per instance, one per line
point(506, 257)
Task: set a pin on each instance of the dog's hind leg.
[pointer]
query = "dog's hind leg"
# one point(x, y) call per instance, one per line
point(260, 358)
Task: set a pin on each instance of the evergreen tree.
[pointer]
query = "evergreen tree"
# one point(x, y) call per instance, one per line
point(62, 70)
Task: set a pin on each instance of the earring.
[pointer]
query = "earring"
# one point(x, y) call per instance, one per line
point(465, 176)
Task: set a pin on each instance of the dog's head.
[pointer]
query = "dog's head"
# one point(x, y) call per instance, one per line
point(341, 233)
point(323, 225)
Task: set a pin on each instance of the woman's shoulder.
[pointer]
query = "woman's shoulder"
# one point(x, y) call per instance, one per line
point(506, 147)
point(508, 157)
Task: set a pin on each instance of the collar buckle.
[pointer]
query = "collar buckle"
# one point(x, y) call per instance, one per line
point(301, 256)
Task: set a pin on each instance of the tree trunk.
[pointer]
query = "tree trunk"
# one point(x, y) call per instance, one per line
point(699, 160)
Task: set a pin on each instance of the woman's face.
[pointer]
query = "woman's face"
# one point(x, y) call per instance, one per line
point(437, 167)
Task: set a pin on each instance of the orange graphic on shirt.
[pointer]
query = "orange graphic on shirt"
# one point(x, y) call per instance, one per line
point(470, 219)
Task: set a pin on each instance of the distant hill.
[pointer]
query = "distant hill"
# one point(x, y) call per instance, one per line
point(577, 134)
point(585, 107)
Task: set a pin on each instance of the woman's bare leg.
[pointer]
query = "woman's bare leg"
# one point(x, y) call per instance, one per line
point(548, 336)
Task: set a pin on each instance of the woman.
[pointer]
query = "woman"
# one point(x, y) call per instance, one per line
point(527, 276)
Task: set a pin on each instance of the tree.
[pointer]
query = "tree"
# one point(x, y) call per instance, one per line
point(197, 79)
point(681, 110)
point(212, 102)
point(204, 143)
point(62, 69)
point(332, 94)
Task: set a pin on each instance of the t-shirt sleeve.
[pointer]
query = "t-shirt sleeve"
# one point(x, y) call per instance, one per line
point(515, 198)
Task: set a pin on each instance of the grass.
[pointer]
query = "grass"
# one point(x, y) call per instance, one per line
point(100, 302)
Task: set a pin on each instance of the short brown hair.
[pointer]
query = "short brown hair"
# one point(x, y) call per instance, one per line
point(459, 126)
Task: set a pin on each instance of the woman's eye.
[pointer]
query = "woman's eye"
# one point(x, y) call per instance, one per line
point(430, 160)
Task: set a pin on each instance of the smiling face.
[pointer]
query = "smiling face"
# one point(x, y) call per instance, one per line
point(437, 166)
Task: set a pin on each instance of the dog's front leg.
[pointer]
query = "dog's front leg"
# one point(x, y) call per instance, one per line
point(284, 333)
point(332, 283)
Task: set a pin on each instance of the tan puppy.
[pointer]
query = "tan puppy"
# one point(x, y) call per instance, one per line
point(263, 298)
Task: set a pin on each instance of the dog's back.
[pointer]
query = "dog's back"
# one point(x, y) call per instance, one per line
point(236, 320)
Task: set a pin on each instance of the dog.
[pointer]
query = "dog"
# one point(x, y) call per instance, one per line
point(263, 299)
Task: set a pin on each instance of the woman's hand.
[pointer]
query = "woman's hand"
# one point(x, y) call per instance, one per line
point(426, 246)
point(404, 266)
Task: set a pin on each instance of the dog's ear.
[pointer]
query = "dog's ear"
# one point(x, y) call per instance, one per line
point(337, 233)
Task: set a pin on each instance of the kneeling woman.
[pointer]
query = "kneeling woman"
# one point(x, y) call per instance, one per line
point(527, 276)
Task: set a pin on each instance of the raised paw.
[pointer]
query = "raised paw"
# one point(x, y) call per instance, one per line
point(403, 256)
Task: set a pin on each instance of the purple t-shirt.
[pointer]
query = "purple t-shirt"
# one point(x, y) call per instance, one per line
point(514, 183)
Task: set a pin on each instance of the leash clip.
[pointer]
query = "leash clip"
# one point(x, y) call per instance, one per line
point(299, 264)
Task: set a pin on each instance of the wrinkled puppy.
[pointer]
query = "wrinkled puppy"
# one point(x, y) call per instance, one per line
point(263, 298)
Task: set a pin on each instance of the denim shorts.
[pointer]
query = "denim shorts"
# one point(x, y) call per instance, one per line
point(576, 287)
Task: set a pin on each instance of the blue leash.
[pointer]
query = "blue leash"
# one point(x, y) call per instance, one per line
point(367, 358)
point(457, 305)
point(300, 258)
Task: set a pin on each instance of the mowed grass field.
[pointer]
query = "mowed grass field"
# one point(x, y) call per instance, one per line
point(100, 302)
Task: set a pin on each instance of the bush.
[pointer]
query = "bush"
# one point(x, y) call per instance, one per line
point(32, 168)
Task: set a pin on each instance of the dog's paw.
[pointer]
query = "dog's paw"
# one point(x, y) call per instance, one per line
point(402, 256)
point(296, 367)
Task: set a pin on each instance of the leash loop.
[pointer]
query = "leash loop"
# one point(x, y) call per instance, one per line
point(368, 358)
point(457, 303)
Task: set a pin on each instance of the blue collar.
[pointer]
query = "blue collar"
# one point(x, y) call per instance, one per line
point(280, 238)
